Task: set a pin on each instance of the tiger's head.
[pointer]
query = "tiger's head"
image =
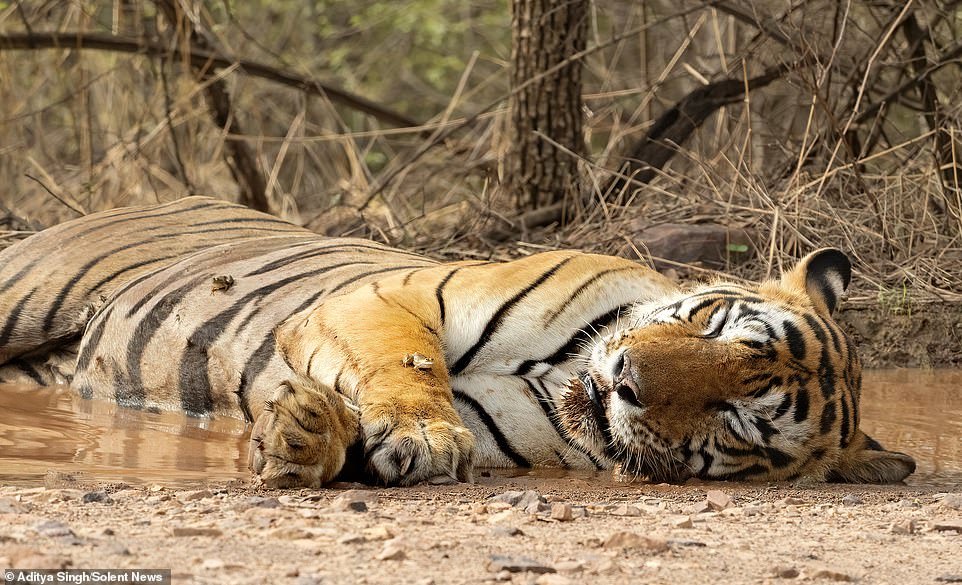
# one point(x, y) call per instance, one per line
point(734, 382)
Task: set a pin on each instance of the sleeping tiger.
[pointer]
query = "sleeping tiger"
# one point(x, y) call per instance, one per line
point(346, 353)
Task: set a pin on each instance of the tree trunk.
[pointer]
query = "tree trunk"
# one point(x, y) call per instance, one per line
point(546, 137)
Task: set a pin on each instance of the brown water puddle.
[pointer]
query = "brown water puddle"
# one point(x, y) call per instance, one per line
point(52, 430)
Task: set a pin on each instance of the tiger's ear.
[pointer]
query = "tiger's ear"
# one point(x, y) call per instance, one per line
point(865, 461)
point(823, 275)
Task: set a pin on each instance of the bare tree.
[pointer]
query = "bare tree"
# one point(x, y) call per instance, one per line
point(546, 134)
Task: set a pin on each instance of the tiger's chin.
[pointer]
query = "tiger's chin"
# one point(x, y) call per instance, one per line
point(583, 416)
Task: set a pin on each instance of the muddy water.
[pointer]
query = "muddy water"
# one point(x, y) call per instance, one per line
point(50, 431)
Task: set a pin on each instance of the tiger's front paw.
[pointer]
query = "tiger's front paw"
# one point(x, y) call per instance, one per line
point(405, 445)
point(301, 438)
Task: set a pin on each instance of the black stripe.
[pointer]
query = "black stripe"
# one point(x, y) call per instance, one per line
point(14, 317)
point(843, 438)
point(795, 340)
point(828, 418)
point(492, 426)
point(570, 347)
point(91, 341)
point(495, 321)
point(439, 292)
point(544, 400)
point(26, 368)
point(581, 290)
point(304, 255)
point(801, 404)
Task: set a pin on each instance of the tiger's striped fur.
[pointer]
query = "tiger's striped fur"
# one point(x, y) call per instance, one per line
point(220, 311)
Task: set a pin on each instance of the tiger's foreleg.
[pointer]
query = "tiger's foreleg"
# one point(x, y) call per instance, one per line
point(380, 347)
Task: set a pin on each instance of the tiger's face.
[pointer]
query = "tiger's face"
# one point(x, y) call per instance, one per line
point(734, 383)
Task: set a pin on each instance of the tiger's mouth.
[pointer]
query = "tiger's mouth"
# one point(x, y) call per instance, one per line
point(584, 413)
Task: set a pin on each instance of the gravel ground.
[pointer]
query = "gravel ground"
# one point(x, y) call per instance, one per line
point(573, 529)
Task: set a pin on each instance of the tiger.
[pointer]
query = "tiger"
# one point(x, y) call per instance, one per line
point(347, 354)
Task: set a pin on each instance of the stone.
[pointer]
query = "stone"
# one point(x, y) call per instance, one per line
point(381, 532)
point(99, 497)
point(950, 578)
point(393, 550)
point(12, 506)
point(718, 500)
point(352, 538)
point(497, 507)
point(903, 527)
point(505, 516)
point(852, 500)
point(503, 576)
point(631, 540)
point(569, 566)
point(791, 501)
point(785, 572)
point(511, 498)
point(53, 529)
point(947, 525)
point(952, 501)
point(213, 564)
point(701, 507)
point(832, 575)
point(506, 531)
point(194, 495)
point(511, 564)
point(625, 510)
point(257, 502)
point(709, 245)
point(683, 522)
point(195, 531)
point(354, 501)
point(553, 579)
point(529, 498)
point(561, 512)
point(290, 533)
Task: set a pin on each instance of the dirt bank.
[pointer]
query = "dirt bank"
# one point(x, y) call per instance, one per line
point(582, 530)
point(903, 335)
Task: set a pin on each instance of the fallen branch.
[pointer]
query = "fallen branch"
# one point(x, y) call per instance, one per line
point(202, 59)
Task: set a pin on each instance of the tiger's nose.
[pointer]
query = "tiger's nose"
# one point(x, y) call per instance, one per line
point(625, 384)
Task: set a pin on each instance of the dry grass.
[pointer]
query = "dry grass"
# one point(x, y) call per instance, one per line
point(86, 130)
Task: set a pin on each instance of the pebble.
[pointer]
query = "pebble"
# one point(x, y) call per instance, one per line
point(505, 516)
point(99, 497)
point(256, 502)
point(506, 531)
point(947, 525)
point(213, 564)
point(499, 563)
point(195, 531)
point(352, 538)
point(511, 498)
point(785, 572)
point(635, 541)
point(530, 499)
point(683, 522)
point(393, 551)
point(791, 501)
point(503, 576)
point(561, 512)
point(832, 575)
point(701, 507)
point(626, 510)
point(852, 500)
point(718, 500)
point(354, 500)
point(381, 532)
point(903, 527)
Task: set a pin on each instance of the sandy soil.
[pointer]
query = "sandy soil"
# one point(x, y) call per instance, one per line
point(574, 530)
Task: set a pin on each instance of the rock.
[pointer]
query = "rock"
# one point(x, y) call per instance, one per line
point(511, 564)
point(505, 516)
point(701, 507)
point(683, 522)
point(497, 507)
point(290, 533)
point(952, 501)
point(194, 495)
point(553, 579)
point(903, 527)
point(791, 501)
point(257, 502)
point(785, 572)
point(12, 506)
point(354, 501)
point(718, 500)
point(625, 510)
point(352, 538)
point(530, 498)
point(950, 578)
point(393, 551)
point(503, 576)
point(852, 500)
point(562, 512)
point(511, 498)
point(569, 566)
point(381, 532)
point(506, 531)
point(832, 575)
point(53, 529)
point(710, 245)
point(195, 531)
point(213, 564)
point(630, 540)
point(947, 525)
point(126, 495)
point(99, 497)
